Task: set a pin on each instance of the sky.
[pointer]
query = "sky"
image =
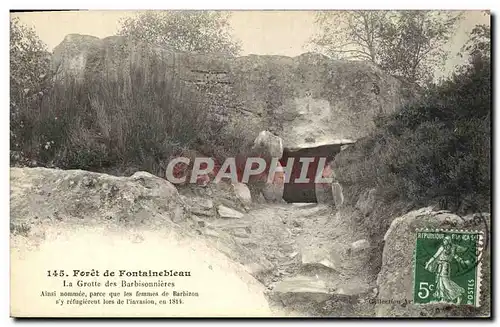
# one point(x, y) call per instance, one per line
point(261, 32)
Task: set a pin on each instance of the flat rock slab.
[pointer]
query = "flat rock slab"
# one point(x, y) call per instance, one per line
point(226, 212)
point(312, 210)
point(301, 284)
point(320, 256)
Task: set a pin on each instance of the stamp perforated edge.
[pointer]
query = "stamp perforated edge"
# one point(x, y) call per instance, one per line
point(478, 268)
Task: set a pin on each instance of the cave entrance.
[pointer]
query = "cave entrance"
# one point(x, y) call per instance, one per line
point(305, 192)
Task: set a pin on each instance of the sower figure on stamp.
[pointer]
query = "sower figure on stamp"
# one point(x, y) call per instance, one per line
point(440, 264)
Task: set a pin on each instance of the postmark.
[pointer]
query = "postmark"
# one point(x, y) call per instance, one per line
point(447, 267)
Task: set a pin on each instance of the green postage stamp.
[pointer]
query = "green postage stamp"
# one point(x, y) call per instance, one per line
point(447, 267)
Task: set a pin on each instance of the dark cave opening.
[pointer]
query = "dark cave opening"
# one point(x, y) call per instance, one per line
point(296, 192)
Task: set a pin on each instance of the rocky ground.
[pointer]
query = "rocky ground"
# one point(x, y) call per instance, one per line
point(312, 259)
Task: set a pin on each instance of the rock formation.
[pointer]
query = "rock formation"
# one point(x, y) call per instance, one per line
point(308, 100)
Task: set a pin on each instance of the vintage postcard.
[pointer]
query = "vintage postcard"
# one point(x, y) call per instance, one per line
point(182, 163)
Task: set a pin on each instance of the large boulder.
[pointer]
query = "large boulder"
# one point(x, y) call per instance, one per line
point(267, 145)
point(306, 100)
point(242, 193)
point(396, 278)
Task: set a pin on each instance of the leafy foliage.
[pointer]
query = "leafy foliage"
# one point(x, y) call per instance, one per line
point(479, 42)
point(436, 150)
point(350, 34)
point(29, 58)
point(138, 120)
point(29, 67)
point(408, 44)
point(190, 31)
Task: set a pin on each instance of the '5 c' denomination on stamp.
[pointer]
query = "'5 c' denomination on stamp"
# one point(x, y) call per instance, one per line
point(447, 267)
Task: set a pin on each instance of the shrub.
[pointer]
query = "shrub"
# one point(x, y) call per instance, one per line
point(29, 64)
point(434, 151)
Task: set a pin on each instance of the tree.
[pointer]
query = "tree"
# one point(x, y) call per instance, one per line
point(190, 31)
point(349, 34)
point(479, 43)
point(29, 67)
point(407, 44)
point(29, 59)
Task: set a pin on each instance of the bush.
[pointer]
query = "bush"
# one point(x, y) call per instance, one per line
point(29, 64)
point(131, 122)
point(29, 61)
